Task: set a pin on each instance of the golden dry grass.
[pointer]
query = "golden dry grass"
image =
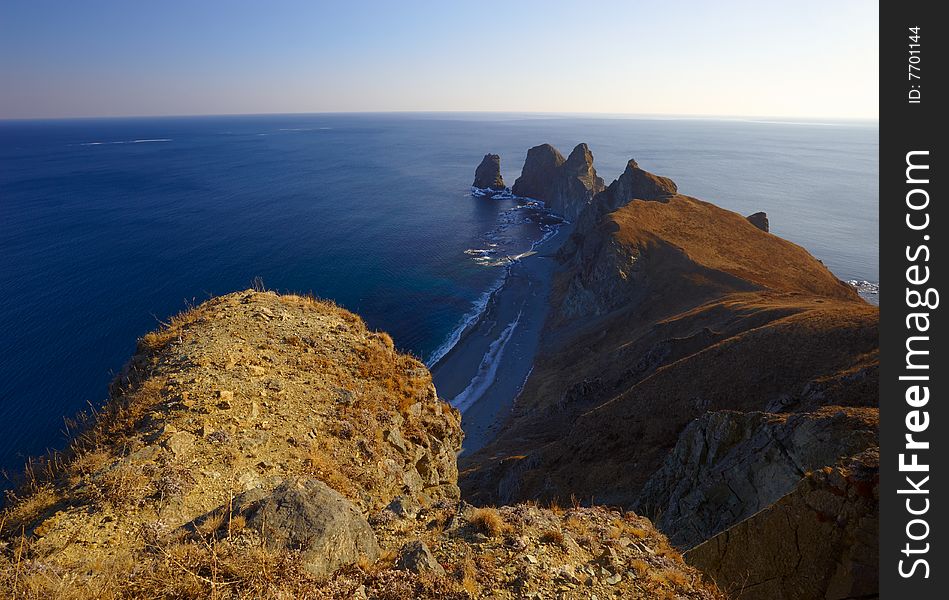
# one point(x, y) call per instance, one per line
point(552, 537)
point(489, 521)
point(639, 566)
point(697, 228)
point(193, 569)
point(671, 577)
point(468, 578)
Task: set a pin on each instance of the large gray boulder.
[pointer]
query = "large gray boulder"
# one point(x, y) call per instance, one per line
point(308, 516)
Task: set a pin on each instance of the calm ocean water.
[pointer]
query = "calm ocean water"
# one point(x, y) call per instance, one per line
point(107, 226)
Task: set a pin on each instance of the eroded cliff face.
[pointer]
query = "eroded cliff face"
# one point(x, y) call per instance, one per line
point(566, 186)
point(271, 446)
point(728, 465)
point(818, 541)
point(687, 350)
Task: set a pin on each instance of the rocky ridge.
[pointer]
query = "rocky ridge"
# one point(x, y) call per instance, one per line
point(267, 446)
point(695, 367)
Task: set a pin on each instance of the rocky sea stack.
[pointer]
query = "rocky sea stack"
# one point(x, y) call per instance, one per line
point(488, 174)
point(268, 446)
point(566, 186)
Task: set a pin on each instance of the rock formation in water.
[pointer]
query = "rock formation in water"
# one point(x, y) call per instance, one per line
point(272, 446)
point(488, 174)
point(541, 168)
point(699, 370)
point(759, 220)
point(566, 186)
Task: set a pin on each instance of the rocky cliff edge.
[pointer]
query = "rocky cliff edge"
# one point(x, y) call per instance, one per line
point(267, 446)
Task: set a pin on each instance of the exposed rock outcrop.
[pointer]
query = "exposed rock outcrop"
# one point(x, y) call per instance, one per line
point(272, 446)
point(415, 556)
point(566, 186)
point(819, 541)
point(637, 184)
point(759, 220)
point(541, 168)
point(728, 465)
point(488, 174)
point(309, 517)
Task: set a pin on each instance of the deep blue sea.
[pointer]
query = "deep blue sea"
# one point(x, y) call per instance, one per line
point(109, 225)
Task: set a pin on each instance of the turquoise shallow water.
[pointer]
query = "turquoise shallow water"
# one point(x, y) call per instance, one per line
point(107, 226)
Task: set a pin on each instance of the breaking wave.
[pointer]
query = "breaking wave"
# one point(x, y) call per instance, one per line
point(146, 141)
point(487, 370)
point(504, 194)
point(469, 320)
point(868, 290)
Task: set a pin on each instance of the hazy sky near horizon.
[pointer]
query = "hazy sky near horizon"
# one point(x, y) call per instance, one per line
point(806, 59)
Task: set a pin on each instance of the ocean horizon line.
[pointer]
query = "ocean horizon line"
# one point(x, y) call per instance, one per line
point(764, 119)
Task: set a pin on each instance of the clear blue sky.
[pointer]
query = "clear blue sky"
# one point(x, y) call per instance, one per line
point(729, 57)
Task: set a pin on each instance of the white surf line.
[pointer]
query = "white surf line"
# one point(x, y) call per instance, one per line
point(145, 141)
point(487, 370)
point(470, 319)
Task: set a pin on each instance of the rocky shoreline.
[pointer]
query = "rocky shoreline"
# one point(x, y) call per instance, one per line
point(483, 372)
